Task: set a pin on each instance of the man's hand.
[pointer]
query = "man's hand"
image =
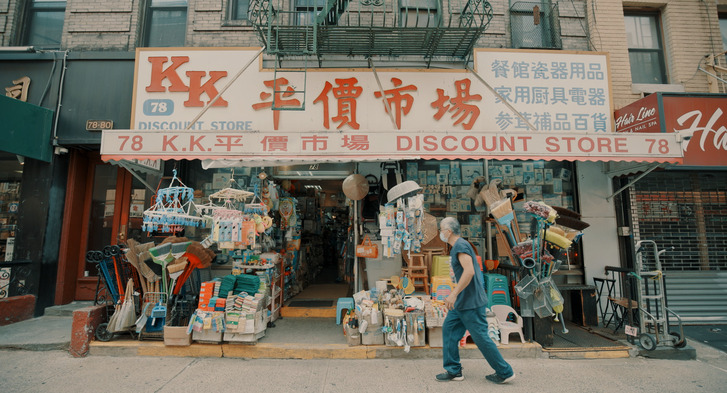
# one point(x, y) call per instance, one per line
point(449, 301)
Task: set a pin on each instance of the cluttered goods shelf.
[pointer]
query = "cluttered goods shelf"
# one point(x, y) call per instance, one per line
point(572, 272)
point(260, 267)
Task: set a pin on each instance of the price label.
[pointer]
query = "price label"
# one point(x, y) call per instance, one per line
point(631, 330)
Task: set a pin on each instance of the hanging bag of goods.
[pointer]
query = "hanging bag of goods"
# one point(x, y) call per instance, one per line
point(367, 249)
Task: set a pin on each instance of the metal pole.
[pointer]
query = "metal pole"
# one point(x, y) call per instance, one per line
point(214, 99)
point(355, 242)
point(383, 96)
point(504, 101)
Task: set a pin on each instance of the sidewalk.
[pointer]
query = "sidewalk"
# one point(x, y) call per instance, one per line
point(292, 338)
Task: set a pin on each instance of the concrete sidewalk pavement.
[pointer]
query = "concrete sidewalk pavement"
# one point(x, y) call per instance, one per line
point(57, 371)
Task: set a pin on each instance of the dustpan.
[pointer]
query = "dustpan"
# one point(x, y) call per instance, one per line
point(157, 319)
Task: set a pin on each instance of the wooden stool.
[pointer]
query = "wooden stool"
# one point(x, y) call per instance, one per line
point(418, 272)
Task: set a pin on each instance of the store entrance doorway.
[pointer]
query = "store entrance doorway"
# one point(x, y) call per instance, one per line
point(326, 240)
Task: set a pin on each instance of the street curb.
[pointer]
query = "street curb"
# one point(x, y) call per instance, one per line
point(297, 351)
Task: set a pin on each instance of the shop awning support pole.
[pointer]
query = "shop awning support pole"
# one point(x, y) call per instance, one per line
point(215, 98)
point(136, 175)
point(387, 107)
point(355, 242)
point(646, 172)
point(504, 101)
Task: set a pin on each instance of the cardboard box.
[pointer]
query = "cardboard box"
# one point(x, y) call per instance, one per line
point(243, 337)
point(208, 336)
point(110, 195)
point(177, 336)
point(435, 337)
point(353, 337)
point(373, 335)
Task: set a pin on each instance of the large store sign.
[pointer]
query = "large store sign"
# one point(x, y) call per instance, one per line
point(700, 119)
point(562, 92)
point(394, 113)
point(118, 144)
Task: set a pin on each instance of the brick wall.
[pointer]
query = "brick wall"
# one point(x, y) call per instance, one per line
point(10, 15)
point(686, 210)
point(686, 40)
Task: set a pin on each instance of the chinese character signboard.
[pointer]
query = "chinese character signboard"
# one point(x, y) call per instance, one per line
point(412, 113)
point(702, 118)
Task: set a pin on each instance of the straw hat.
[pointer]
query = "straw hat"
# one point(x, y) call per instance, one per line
point(356, 187)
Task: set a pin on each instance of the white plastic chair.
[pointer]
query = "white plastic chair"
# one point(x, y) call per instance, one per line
point(507, 327)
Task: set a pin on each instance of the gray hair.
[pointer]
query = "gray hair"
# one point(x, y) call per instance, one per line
point(450, 223)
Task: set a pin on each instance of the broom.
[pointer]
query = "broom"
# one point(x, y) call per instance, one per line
point(504, 215)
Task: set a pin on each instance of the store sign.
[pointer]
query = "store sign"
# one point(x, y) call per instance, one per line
point(124, 144)
point(700, 119)
point(19, 89)
point(554, 91)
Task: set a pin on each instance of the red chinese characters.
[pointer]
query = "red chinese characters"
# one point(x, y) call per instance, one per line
point(401, 102)
point(356, 142)
point(279, 97)
point(345, 94)
point(275, 143)
point(458, 104)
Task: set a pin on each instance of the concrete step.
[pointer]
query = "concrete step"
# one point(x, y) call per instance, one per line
point(66, 310)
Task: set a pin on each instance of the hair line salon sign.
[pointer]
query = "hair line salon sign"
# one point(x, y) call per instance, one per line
point(700, 118)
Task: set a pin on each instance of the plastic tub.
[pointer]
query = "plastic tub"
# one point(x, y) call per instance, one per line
point(526, 286)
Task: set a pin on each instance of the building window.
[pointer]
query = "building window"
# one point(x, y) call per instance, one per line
point(419, 13)
point(239, 9)
point(45, 23)
point(646, 54)
point(535, 24)
point(166, 23)
point(307, 11)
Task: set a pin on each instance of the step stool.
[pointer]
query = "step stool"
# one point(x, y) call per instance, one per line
point(343, 303)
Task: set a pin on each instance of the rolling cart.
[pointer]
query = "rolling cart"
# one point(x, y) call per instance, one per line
point(654, 327)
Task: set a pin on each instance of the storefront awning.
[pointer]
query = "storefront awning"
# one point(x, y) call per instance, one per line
point(281, 148)
point(26, 129)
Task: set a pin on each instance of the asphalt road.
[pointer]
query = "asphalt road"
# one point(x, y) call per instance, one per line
point(56, 371)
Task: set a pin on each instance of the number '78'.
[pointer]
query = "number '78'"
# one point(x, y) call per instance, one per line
point(663, 145)
point(136, 142)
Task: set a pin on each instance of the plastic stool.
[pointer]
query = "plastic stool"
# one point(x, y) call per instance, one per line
point(344, 303)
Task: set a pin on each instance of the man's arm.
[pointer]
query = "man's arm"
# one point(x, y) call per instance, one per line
point(468, 272)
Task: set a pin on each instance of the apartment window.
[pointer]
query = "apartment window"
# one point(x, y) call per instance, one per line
point(646, 54)
point(239, 9)
point(419, 13)
point(307, 11)
point(534, 24)
point(45, 23)
point(166, 23)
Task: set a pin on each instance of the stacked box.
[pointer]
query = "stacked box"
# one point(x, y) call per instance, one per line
point(435, 336)
point(177, 336)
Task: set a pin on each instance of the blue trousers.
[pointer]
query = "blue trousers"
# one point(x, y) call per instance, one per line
point(474, 321)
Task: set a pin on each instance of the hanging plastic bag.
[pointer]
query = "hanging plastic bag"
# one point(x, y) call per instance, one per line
point(367, 249)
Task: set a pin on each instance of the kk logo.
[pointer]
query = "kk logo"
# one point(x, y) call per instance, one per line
point(194, 87)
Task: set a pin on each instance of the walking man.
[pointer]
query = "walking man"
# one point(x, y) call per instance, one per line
point(466, 306)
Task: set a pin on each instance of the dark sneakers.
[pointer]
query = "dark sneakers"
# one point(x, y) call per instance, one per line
point(498, 379)
point(446, 377)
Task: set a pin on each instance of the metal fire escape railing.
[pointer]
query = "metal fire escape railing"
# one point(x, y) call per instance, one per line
point(427, 28)
point(443, 29)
